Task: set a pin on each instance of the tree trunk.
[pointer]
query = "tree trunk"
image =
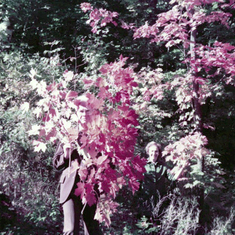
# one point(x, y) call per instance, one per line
point(198, 127)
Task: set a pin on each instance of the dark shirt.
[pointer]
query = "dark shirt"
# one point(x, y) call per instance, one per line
point(155, 179)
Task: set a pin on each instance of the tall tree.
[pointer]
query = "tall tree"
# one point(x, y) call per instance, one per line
point(178, 27)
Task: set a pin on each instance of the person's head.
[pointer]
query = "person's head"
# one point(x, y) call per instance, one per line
point(82, 111)
point(82, 114)
point(154, 151)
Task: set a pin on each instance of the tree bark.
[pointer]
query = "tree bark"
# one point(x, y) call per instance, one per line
point(198, 127)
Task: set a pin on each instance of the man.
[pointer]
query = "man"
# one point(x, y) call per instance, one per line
point(69, 159)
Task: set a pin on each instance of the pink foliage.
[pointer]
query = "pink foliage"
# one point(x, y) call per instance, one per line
point(175, 27)
point(181, 152)
point(172, 26)
point(111, 131)
point(98, 17)
point(220, 56)
point(112, 127)
point(85, 6)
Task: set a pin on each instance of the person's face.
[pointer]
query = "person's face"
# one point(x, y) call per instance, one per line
point(82, 114)
point(153, 153)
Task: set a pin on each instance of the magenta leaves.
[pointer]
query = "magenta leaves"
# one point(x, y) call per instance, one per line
point(174, 26)
point(108, 147)
point(112, 128)
point(185, 151)
point(178, 27)
point(98, 17)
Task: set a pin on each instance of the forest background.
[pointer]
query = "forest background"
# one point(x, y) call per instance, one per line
point(180, 57)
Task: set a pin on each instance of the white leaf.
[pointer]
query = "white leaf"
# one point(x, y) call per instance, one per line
point(68, 76)
point(33, 72)
point(34, 130)
point(25, 107)
point(34, 83)
point(39, 146)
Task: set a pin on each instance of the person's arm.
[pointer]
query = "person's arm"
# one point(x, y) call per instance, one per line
point(61, 156)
